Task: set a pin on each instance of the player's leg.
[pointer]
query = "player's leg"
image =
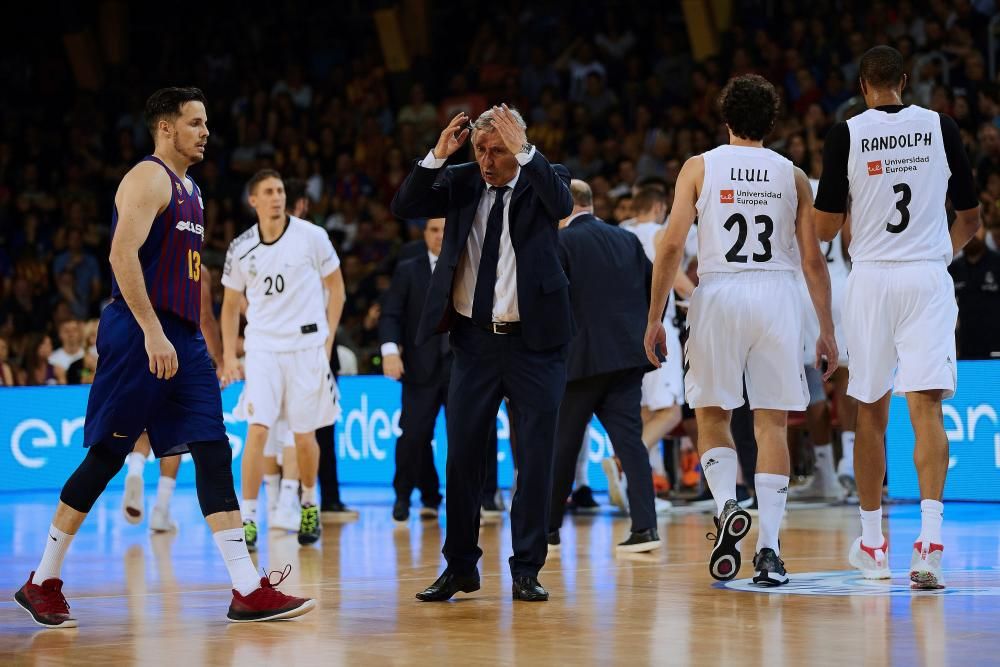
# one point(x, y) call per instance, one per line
point(287, 513)
point(771, 484)
point(847, 415)
point(263, 394)
point(930, 455)
point(582, 498)
point(824, 484)
point(42, 594)
point(307, 455)
point(159, 517)
point(133, 502)
point(272, 473)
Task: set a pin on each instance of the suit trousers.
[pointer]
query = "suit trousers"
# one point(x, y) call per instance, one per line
point(615, 399)
point(486, 368)
point(414, 453)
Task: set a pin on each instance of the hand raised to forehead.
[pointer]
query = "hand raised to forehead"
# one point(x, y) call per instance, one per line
point(452, 137)
point(511, 133)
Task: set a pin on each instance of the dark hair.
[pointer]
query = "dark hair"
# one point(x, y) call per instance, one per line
point(262, 175)
point(295, 189)
point(166, 103)
point(881, 67)
point(749, 106)
point(647, 197)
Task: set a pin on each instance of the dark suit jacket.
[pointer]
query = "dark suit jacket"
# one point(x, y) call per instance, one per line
point(609, 287)
point(401, 308)
point(540, 199)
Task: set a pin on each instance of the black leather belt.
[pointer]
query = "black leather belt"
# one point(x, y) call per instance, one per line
point(502, 328)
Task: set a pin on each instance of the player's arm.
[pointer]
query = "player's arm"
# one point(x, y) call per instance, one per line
point(670, 252)
point(961, 187)
point(830, 211)
point(334, 284)
point(209, 324)
point(682, 284)
point(229, 322)
point(816, 274)
point(143, 193)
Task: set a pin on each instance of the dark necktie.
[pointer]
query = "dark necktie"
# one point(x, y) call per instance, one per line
point(486, 279)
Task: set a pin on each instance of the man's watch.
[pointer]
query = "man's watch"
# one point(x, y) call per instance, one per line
point(525, 148)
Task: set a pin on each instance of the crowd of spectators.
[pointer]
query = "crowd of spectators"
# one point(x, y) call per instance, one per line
point(611, 90)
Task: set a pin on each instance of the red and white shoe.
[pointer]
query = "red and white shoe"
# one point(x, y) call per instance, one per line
point(873, 562)
point(925, 566)
point(46, 603)
point(267, 603)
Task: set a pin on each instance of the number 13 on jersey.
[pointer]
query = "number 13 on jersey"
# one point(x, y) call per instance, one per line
point(194, 265)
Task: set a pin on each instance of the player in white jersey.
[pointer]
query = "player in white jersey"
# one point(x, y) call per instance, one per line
point(754, 210)
point(295, 294)
point(828, 482)
point(896, 165)
point(662, 388)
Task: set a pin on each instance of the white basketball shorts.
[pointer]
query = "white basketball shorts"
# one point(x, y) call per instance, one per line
point(663, 387)
point(298, 385)
point(279, 436)
point(900, 325)
point(746, 324)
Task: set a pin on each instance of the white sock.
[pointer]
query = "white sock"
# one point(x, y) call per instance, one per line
point(271, 490)
point(164, 491)
point(248, 508)
point(136, 463)
point(308, 494)
point(582, 461)
point(56, 546)
point(234, 551)
point(824, 462)
point(289, 492)
point(931, 516)
point(772, 491)
point(720, 465)
point(871, 528)
point(847, 447)
point(656, 461)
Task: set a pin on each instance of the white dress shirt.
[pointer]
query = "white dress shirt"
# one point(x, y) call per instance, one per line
point(392, 347)
point(505, 293)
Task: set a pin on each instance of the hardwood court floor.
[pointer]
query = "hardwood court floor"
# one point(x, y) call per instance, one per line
point(161, 600)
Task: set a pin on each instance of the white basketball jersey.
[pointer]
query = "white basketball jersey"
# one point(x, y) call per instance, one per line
point(833, 250)
point(746, 212)
point(283, 281)
point(898, 175)
point(646, 232)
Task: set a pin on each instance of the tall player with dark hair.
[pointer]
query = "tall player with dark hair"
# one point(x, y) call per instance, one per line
point(755, 218)
point(154, 373)
point(896, 164)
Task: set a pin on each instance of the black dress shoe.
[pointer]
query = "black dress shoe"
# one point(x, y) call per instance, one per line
point(400, 511)
point(529, 590)
point(638, 542)
point(447, 585)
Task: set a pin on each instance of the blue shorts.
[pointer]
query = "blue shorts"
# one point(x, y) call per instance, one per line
point(126, 399)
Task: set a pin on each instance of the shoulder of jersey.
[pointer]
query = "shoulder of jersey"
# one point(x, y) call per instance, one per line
point(245, 240)
point(304, 226)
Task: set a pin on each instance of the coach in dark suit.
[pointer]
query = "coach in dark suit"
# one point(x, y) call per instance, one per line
point(609, 287)
point(423, 370)
point(501, 291)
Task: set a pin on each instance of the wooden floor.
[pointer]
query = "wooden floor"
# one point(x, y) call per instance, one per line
point(161, 600)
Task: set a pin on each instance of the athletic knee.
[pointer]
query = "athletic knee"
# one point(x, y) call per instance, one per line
point(91, 477)
point(213, 465)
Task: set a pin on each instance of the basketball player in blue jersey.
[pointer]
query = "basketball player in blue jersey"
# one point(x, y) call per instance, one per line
point(153, 372)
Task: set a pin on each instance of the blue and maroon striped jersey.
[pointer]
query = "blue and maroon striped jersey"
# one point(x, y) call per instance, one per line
point(171, 255)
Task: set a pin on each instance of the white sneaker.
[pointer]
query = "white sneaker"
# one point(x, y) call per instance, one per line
point(616, 491)
point(845, 475)
point(873, 562)
point(817, 488)
point(132, 503)
point(662, 506)
point(286, 517)
point(925, 566)
point(160, 521)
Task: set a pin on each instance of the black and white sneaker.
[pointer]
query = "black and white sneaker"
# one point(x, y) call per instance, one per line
point(731, 527)
point(644, 540)
point(582, 501)
point(769, 570)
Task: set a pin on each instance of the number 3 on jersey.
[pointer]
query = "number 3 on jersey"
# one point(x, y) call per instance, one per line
point(764, 236)
point(194, 265)
point(904, 213)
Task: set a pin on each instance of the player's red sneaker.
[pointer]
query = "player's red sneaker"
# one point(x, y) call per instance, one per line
point(267, 603)
point(46, 603)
